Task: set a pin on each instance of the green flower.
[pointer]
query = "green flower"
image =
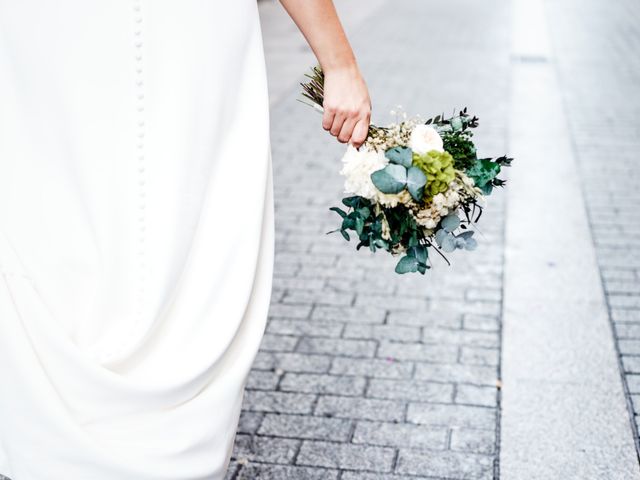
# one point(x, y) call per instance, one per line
point(438, 167)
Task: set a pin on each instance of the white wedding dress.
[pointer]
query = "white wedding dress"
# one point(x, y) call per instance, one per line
point(136, 234)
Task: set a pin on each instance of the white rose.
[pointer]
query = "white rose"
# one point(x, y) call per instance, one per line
point(425, 138)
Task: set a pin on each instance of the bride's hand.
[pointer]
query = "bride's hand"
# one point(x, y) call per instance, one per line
point(347, 106)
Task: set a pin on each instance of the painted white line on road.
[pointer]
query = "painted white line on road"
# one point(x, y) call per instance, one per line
point(563, 408)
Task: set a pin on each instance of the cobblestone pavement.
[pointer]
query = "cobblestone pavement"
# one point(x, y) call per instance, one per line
point(599, 69)
point(365, 374)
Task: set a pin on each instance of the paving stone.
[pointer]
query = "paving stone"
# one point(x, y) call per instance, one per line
point(629, 347)
point(410, 390)
point(306, 328)
point(418, 351)
point(453, 415)
point(286, 402)
point(487, 323)
point(318, 297)
point(460, 337)
point(473, 440)
point(450, 465)
point(350, 475)
point(383, 332)
point(627, 330)
point(478, 375)
point(400, 435)
point(426, 318)
point(249, 421)
point(349, 314)
point(476, 395)
point(289, 311)
point(303, 426)
point(345, 455)
point(395, 302)
point(380, 368)
point(257, 471)
point(479, 356)
point(262, 380)
point(319, 383)
point(360, 408)
point(292, 362)
point(278, 343)
point(337, 346)
point(265, 449)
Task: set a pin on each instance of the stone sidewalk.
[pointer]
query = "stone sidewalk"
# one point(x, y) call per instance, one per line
point(365, 374)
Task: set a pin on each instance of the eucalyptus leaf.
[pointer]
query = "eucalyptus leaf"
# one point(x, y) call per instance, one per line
point(450, 222)
point(416, 180)
point(419, 252)
point(400, 155)
point(390, 179)
point(448, 243)
point(470, 244)
point(359, 225)
point(407, 264)
point(440, 234)
point(339, 211)
point(456, 123)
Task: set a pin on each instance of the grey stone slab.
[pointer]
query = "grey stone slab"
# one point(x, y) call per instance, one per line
point(286, 402)
point(453, 415)
point(400, 435)
point(473, 440)
point(320, 383)
point(559, 362)
point(307, 427)
point(265, 449)
point(345, 455)
point(410, 390)
point(380, 368)
point(257, 471)
point(360, 408)
point(450, 465)
point(473, 374)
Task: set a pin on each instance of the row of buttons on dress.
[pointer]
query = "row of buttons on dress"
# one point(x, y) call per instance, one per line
point(140, 156)
point(140, 148)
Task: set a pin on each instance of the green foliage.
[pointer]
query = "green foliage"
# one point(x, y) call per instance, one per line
point(390, 179)
point(399, 155)
point(416, 180)
point(461, 148)
point(483, 172)
point(414, 261)
point(438, 167)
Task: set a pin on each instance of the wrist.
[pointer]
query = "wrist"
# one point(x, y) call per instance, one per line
point(346, 65)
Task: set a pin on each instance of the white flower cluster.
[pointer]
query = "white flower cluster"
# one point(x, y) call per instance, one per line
point(440, 206)
point(357, 169)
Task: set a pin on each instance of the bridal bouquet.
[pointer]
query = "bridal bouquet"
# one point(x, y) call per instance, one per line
point(414, 186)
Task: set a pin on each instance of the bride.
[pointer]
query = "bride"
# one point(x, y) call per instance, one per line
point(136, 233)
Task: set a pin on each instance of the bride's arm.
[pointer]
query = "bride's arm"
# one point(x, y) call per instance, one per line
point(347, 106)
